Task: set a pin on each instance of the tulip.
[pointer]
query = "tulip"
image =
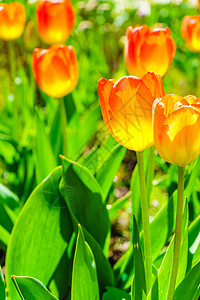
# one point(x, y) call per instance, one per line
point(12, 20)
point(127, 108)
point(55, 69)
point(148, 49)
point(176, 123)
point(190, 31)
point(54, 19)
point(31, 38)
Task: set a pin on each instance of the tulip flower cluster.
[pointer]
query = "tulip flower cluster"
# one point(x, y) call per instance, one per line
point(55, 69)
point(138, 114)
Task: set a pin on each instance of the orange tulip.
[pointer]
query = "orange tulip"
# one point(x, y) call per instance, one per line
point(176, 123)
point(55, 69)
point(12, 20)
point(55, 19)
point(148, 49)
point(126, 106)
point(190, 31)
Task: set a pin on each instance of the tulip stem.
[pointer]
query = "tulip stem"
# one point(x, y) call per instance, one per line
point(12, 59)
point(150, 172)
point(145, 221)
point(178, 229)
point(63, 118)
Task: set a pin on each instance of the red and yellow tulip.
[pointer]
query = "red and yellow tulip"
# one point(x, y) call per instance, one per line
point(55, 20)
point(126, 106)
point(190, 31)
point(12, 20)
point(176, 123)
point(56, 69)
point(148, 49)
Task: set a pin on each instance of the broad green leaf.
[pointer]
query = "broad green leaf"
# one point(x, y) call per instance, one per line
point(41, 234)
point(106, 173)
point(81, 129)
point(115, 294)
point(160, 285)
point(83, 196)
point(45, 160)
point(7, 197)
point(103, 162)
point(84, 276)
point(61, 280)
point(4, 238)
point(2, 286)
point(189, 288)
point(193, 243)
point(139, 281)
point(31, 289)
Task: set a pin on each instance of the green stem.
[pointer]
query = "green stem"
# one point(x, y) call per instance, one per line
point(145, 221)
point(150, 172)
point(178, 229)
point(63, 125)
point(12, 59)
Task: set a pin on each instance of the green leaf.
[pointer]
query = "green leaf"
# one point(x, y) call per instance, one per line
point(84, 276)
point(194, 243)
point(139, 281)
point(41, 234)
point(7, 197)
point(103, 162)
point(83, 196)
point(189, 288)
point(45, 160)
point(2, 286)
point(106, 173)
point(81, 129)
point(115, 294)
point(4, 237)
point(31, 289)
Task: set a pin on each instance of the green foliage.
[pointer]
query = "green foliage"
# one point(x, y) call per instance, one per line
point(31, 288)
point(2, 286)
point(84, 276)
point(42, 203)
point(47, 218)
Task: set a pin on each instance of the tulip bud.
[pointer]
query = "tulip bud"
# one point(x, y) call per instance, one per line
point(190, 29)
point(55, 69)
point(126, 106)
point(12, 20)
point(176, 123)
point(148, 49)
point(55, 20)
point(31, 39)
